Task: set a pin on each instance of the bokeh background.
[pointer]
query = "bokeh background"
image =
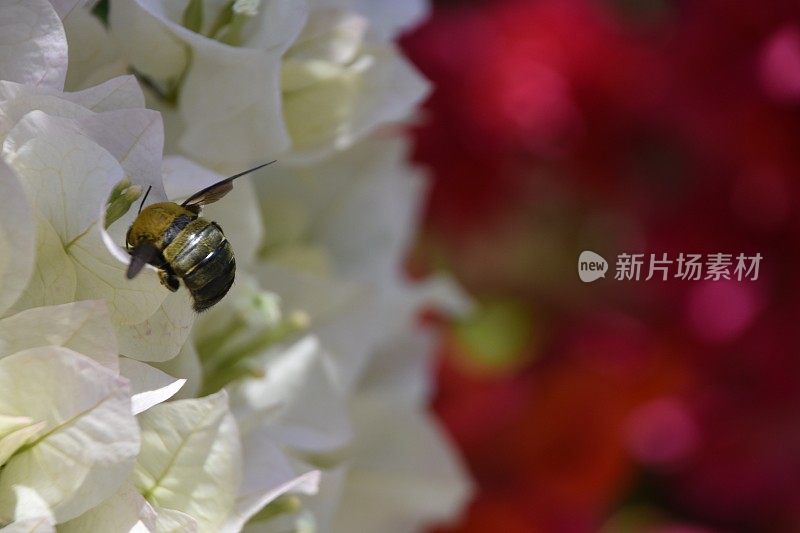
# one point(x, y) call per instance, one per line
point(616, 126)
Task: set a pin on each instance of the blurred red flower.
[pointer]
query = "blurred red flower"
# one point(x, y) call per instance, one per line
point(660, 126)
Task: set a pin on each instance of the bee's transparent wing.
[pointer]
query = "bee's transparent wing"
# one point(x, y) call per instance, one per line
point(215, 192)
point(211, 194)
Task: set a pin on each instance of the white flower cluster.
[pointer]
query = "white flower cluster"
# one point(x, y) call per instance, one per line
point(298, 403)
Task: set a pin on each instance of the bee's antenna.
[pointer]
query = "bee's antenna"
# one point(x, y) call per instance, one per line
point(141, 205)
point(251, 170)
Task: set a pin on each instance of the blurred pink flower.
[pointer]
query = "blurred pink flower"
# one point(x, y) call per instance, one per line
point(661, 431)
point(719, 311)
point(780, 65)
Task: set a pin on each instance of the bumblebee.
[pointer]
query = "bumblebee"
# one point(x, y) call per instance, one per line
point(184, 246)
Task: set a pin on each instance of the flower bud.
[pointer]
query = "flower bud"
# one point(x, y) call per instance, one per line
point(123, 195)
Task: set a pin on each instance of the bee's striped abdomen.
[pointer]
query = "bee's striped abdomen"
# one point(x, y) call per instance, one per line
point(203, 258)
point(175, 228)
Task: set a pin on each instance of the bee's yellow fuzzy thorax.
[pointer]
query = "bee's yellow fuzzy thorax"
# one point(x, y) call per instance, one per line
point(153, 222)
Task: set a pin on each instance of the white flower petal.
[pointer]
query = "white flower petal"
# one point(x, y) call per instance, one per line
point(296, 399)
point(401, 370)
point(31, 515)
point(30, 504)
point(303, 521)
point(186, 365)
point(62, 172)
point(101, 275)
point(307, 483)
point(135, 138)
point(308, 258)
point(172, 521)
point(404, 476)
point(336, 111)
point(149, 386)
point(247, 125)
point(125, 512)
point(335, 311)
point(114, 69)
point(325, 503)
point(65, 7)
point(368, 236)
point(41, 524)
point(267, 476)
point(251, 132)
point(90, 48)
point(112, 238)
point(387, 18)
point(442, 292)
point(191, 458)
point(330, 35)
point(145, 42)
point(121, 92)
point(17, 100)
point(162, 335)
point(318, 505)
point(53, 280)
point(17, 238)
point(84, 327)
point(91, 437)
point(33, 46)
point(268, 467)
point(359, 206)
point(183, 177)
point(10, 424)
point(13, 439)
point(131, 136)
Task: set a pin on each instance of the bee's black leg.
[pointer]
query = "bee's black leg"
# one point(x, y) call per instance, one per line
point(169, 280)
